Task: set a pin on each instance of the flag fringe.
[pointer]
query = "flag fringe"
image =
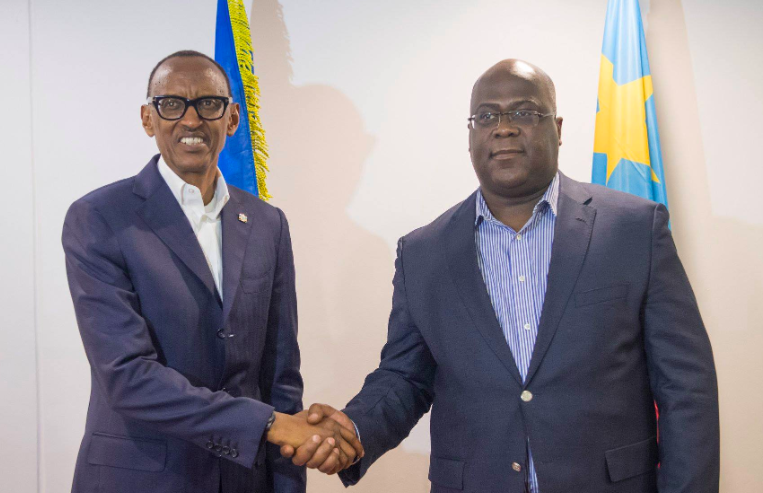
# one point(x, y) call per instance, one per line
point(242, 39)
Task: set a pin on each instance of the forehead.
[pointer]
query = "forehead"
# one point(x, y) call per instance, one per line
point(189, 77)
point(506, 89)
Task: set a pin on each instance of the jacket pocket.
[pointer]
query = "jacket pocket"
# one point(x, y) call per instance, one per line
point(448, 473)
point(140, 454)
point(600, 295)
point(632, 460)
point(257, 284)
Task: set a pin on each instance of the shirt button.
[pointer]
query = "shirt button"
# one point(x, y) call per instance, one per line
point(519, 237)
point(516, 466)
point(528, 326)
point(221, 333)
point(526, 396)
point(521, 278)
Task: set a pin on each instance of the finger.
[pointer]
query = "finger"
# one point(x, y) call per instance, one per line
point(323, 453)
point(287, 451)
point(346, 462)
point(346, 454)
point(332, 463)
point(347, 450)
point(352, 440)
point(306, 451)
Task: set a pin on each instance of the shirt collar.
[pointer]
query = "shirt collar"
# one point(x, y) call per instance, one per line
point(178, 186)
point(550, 197)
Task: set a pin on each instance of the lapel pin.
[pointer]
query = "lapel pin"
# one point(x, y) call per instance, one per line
point(242, 218)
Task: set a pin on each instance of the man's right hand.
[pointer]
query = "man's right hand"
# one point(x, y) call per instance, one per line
point(315, 455)
point(327, 447)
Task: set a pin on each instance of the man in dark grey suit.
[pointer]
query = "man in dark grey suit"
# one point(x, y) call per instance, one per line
point(541, 319)
point(183, 288)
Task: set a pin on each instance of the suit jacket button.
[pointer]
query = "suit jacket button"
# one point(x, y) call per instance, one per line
point(526, 396)
point(226, 450)
point(233, 453)
point(221, 333)
point(516, 466)
point(210, 444)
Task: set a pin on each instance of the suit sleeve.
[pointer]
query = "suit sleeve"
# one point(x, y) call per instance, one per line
point(122, 356)
point(681, 372)
point(281, 381)
point(400, 391)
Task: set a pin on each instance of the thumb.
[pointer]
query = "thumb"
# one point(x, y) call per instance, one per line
point(318, 412)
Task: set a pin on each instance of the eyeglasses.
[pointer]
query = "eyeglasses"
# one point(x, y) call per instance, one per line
point(522, 118)
point(174, 107)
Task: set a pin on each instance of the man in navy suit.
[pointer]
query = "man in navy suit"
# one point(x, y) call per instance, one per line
point(540, 319)
point(183, 288)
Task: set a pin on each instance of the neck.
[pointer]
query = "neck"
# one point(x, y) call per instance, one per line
point(205, 181)
point(514, 212)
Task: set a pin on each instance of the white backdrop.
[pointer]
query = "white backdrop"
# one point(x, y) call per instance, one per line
point(365, 107)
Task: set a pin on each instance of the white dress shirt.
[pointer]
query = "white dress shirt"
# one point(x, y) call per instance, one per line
point(205, 219)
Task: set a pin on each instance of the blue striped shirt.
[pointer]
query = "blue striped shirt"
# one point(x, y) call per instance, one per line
point(514, 266)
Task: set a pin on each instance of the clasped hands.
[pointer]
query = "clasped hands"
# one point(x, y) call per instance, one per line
point(320, 438)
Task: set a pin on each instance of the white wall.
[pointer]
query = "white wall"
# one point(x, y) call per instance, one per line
point(364, 104)
point(18, 376)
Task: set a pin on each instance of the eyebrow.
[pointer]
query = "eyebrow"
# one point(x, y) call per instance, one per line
point(511, 105)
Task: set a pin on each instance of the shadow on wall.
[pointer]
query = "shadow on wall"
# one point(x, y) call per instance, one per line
point(720, 254)
point(317, 147)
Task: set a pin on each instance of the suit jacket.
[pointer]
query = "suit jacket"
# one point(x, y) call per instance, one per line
point(183, 382)
point(619, 330)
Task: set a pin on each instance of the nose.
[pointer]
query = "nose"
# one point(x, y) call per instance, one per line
point(505, 128)
point(191, 118)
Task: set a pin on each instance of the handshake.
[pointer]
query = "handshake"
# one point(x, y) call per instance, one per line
point(320, 438)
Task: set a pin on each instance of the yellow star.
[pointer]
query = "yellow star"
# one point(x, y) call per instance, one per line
point(621, 121)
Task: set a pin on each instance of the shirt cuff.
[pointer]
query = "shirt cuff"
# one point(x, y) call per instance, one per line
point(357, 434)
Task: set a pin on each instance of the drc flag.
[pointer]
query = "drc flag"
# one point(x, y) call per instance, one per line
point(626, 147)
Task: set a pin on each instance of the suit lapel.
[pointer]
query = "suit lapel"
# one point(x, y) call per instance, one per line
point(464, 270)
point(236, 225)
point(164, 216)
point(572, 234)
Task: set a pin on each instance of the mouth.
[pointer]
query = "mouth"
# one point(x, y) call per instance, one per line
point(505, 153)
point(193, 141)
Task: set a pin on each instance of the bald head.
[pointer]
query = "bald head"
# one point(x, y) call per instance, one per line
point(513, 68)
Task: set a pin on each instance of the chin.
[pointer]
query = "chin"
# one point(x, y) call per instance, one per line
point(508, 179)
point(192, 165)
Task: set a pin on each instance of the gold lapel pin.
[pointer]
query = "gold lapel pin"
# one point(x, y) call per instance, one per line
point(242, 218)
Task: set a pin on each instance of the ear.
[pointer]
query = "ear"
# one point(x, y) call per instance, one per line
point(233, 121)
point(146, 120)
point(559, 121)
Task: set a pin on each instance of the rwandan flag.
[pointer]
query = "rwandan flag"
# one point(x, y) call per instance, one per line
point(626, 147)
point(243, 160)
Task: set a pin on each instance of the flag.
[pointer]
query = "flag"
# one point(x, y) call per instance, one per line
point(627, 154)
point(243, 160)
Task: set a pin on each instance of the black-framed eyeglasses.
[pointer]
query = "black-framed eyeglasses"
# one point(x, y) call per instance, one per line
point(522, 118)
point(174, 107)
